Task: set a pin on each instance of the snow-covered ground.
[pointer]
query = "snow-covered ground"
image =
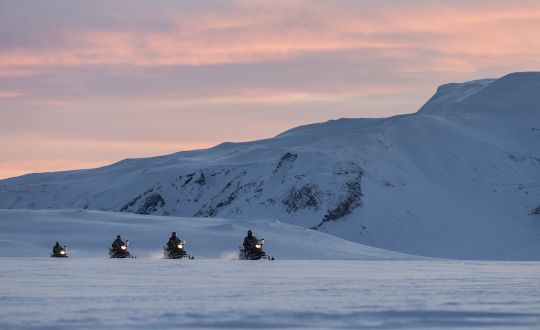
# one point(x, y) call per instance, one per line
point(306, 287)
point(90, 233)
point(100, 293)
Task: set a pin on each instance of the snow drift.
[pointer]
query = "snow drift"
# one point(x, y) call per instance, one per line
point(25, 233)
point(458, 179)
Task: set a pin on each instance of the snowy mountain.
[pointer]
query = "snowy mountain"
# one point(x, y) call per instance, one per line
point(460, 178)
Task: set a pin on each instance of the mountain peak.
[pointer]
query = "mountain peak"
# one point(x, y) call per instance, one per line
point(517, 92)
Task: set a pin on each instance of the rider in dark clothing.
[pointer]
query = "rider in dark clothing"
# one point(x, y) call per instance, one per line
point(57, 248)
point(173, 241)
point(116, 245)
point(250, 240)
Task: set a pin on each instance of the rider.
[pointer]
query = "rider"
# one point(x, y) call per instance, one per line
point(250, 240)
point(56, 248)
point(118, 243)
point(173, 241)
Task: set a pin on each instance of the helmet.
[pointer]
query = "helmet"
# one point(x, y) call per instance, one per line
point(118, 236)
point(57, 243)
point(174, 234)
point(250, 233)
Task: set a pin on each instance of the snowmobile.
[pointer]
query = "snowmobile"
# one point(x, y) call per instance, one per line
point(256, 252)
point(61, 253)
point(123, 252)
point(177, 251)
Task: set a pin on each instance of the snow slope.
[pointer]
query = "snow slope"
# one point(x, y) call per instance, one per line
point(26, 233)
point(458, 179)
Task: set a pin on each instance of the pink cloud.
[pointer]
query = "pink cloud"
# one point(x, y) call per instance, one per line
point(416, 44)
point(7, 94)
point(253, 35)
point(272, 34)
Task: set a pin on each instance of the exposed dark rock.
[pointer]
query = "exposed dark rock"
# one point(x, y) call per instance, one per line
point(259, 190)
point(132, 202)
point(228, 200)
point(236, 179)
point(260, 187)
point(201, 180)
point(248, 187)
point(233, 189)
point(351, 200)
point(214, 174)
point(227, 186)
point(206, 212)
point(304, 198)
point(151, 203)
point(288, 158)
point(211, 211)
point(188, 180)
point(347, 205)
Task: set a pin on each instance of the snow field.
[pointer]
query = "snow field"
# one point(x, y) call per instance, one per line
point(305, 288)
point(90, 293)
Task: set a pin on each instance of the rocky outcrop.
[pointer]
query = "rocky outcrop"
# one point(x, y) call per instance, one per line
point(146, 203)
point(352, 200)
point(201, 181)
point(129, 205)
point(151, 204)
point(349, 201)
point(189, 178)
point(285, 162)
point(307, 197)
point(226, 196)
point(321, 196)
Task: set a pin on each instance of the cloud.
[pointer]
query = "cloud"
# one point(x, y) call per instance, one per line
point(154, 72)
point(8, 94)
point(258, 32)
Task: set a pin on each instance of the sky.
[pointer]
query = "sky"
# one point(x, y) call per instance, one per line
point(88, 83)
